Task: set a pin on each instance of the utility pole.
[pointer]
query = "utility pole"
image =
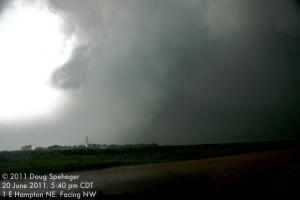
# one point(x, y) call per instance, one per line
point(86, 141)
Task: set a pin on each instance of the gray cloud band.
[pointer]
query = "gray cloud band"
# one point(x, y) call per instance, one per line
point(181, 71)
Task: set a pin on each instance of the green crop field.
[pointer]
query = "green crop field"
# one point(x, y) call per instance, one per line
point(64, 160)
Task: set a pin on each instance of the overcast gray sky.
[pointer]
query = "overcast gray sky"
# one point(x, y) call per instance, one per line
point(173, 72)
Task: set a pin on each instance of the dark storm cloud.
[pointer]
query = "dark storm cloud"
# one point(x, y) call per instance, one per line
point(74, 72)
point(179, 72)
point(198, 71)
point(246, 88)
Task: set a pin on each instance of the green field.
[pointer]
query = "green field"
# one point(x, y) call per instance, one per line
point(46, 161)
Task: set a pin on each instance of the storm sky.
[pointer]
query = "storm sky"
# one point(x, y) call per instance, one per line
point(173, 72)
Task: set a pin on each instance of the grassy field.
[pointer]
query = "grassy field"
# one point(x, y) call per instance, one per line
point(46, 161)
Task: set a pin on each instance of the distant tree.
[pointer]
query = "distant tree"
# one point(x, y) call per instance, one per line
point(54, 147)
point(26, 148)
point(39, 148)
point(81, 146)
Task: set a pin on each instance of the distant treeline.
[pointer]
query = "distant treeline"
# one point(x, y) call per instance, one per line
point(95, 146)
point(224, 147)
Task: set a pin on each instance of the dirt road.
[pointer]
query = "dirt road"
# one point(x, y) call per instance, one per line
point(253, 171)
